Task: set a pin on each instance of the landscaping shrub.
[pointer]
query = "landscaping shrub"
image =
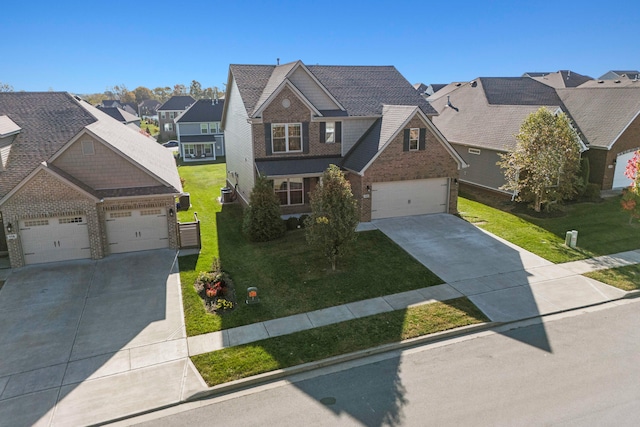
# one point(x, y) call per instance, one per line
point(216, 289)
point(262, 220)
point(591, 193)
point(302, 220)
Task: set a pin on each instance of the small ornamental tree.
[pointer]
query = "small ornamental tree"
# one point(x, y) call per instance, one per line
point(334, 215)
point(262, 220)
point(631, 195)
point(544, 167)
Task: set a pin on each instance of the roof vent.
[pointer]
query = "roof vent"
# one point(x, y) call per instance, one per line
point(474, 83)
point(616, 81)
point(277, 61)
point(600, 81)
point(458, 84)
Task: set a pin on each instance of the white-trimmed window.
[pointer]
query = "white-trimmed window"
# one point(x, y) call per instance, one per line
point(414, 139)
point(475, 151)
point(87, 148)
point(204, 128)
point(168, 127)
point(290, 191)
point(214, 127)
point(172, 115)
point(286, 138)
point(163, 115)
point(330, 133)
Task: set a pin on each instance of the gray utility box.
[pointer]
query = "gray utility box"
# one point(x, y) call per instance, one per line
point(225, 194)
point(571, 239)
point(185, 201)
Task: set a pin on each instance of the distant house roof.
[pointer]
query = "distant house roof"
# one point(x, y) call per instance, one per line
point(620, 74)
point(468, 118)
point(444, 90)
point(601, 114)
point(420, 87)
point(611, 83)
point(119, 114)
point(360, 90)
point(562, 79)
point(203, 110)
point(177, 103)
point(50, 120)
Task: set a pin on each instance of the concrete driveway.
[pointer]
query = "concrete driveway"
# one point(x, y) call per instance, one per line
point(83, 342)
point(505, 281)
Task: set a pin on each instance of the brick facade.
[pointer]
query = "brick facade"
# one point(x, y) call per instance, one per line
point(61, 199)
point(628, 141)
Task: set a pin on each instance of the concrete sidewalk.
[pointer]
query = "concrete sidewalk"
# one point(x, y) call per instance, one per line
point(502, 297)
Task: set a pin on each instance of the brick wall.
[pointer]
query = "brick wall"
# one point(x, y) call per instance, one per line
point(297, 112)
point(629, 140)
point(59, 199)
point(394, 164)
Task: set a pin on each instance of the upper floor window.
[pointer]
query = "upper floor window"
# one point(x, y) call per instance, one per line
point(163, 115)
point(330, 133)
point(204, 128)
point(168, 127)
point(286, 137)
point(172, 115)
point(214, 127)
point(414, 138)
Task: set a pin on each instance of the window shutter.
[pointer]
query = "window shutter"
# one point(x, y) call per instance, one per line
point(338, 132)
point(305, 137)
point(423, 139)
point(267, 138)
point(323, 132)
point(406, 140)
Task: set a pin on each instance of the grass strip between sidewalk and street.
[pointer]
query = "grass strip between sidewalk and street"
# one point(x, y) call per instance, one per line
point(626, 278)
point(271, 354)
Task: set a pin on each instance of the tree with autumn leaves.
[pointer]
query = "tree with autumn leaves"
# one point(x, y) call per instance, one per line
point(631, 195)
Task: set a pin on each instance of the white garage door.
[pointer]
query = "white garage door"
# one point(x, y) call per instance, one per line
point(54, 239)
point(404, 198)
point(619, 179)
point(137, 230)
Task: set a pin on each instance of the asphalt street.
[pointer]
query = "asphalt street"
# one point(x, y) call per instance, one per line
point(586, 372)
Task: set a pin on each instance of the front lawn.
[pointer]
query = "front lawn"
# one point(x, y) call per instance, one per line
point(626, 278)
point(291, 277)
point(234, 363)
point(603, 229)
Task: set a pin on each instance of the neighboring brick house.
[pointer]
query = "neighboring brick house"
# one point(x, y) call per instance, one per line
point(149, 108)
point(167, 113)
point(199, 131)
point(290, 122)
point(75, 183)
point(481, 118)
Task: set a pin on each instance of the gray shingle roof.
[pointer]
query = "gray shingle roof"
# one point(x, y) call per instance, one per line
point(619, 74)
point(48, 121)
point(518, 91)
point(119, 114)
point(204, 110)
point(481, 124)
point(362, 90)
point(7, 126)
point(601, 114)
point(177, 103)
point(51, 119)
point(296, 166)
point(562, 79)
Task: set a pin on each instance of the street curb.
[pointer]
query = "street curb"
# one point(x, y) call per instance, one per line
point(281, 373)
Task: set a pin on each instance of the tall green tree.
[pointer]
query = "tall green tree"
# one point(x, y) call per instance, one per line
point(179, 89)
point(544, 167)
point(142, 93)
point(331, 227)
point(162, 93)
point(262, 220)
point(195, 90)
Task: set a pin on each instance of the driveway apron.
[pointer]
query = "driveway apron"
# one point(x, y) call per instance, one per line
point(505, 281)
point(84, 342)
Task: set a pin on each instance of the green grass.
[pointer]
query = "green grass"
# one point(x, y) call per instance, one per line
point(291, 276)
point(149, 127)
point(626, 278)
point(603, 228)
point(307, 346)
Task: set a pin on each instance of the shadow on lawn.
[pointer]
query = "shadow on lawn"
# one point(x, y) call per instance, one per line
point(345, 392)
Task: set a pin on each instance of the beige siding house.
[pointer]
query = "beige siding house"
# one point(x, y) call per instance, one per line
point(77, 184)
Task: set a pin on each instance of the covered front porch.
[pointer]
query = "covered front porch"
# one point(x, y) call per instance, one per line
point(196, 148)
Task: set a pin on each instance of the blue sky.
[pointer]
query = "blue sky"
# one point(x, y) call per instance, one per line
point(85, 47)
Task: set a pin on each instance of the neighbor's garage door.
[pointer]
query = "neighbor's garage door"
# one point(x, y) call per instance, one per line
point(404, 198)
point(619, 179)
point(54, 239)
point(137, 230)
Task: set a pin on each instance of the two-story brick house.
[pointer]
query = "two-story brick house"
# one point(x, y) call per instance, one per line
point(199, 131)
point(290, 122)
point(168, 112)
point(75, 183)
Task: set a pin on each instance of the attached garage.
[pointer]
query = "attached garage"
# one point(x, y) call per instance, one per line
point(54, 239)
point(137, 230)
point(619, 178)
point(413, 197)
